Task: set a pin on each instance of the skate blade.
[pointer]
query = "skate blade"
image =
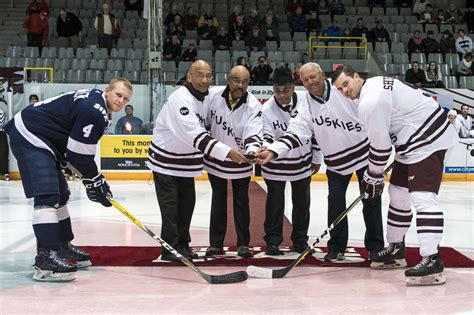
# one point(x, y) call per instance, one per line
point(50, 276)
point(392, 264)
point(434, 279)
point(83, 264)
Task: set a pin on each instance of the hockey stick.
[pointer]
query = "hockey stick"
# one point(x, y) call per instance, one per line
point(233, 277)
point(261, 272)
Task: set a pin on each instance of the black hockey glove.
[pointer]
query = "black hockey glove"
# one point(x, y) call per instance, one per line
point(97, 190)
point(372, 185)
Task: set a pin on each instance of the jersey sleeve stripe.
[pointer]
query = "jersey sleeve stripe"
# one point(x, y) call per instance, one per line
point(213, 144)
point(345, 167)
point(154, 147)
point(427, 142)
point(366, 140)
point(380, 151)
point(81, 148)
point(349, 157)
point(196, 139)
point(34, 140)
point(202, 144)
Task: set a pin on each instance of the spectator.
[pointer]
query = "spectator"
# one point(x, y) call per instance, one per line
point(222, 41)
point(128, 124)
point(376, 3)
point(296, 75)
point(380, 34)
point(454, 15)
point(313, 25)
point(242, 61)
point(177, 27)
point(323, 7)
point(233, 17)
point(469, 15)
point(255, 41)
point(447, 43)
point(337, 8)
point(419, 7)
point(464, 67)
point(415, 75)
point(172, 49)
point(252, 19)
point(4, 146)
point(190, 54)
point(190, 19)
point(464, 122)
point(297, 22)
point(403, 4)
point(346, 33)
point(440, 17)
point(107, 27)
point(360, 30)
point(270, 30)
point(204, 19)
point(293, 5)
point(333, 30)
point(433, 76)
point(207, 31)
point(427, 16)
point(36, 6)
point(239, 30)
point(33, 99)
point(170, 17)
point(69, 29)
point(310, 7)
point(430, 44)
point(38, 28)
point(415, 44)
point(261, 72)
point(134, 5)
point(463, 43)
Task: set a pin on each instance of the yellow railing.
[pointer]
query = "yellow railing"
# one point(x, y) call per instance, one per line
point(311, 46)
point(50, 70)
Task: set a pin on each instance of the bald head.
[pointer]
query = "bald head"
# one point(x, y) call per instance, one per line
point(199, 75)
point(239, 72)
point(238, 81)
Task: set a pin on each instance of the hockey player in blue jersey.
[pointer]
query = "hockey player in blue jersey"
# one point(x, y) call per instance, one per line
point(62, 130)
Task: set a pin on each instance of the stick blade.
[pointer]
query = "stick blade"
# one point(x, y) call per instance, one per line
point(259, 272)
point(233, 277)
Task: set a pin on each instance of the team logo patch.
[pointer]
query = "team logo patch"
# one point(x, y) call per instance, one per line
point(184, 111)
point(259, 114)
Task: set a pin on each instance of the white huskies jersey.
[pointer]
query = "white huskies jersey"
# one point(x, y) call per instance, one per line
point(464, 125)
point(395, 113)
point(240, 128)
point(334, 122)
point(294, 164)
point(180, 137)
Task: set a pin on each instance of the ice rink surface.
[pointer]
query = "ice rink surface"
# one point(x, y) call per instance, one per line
point(178, 290)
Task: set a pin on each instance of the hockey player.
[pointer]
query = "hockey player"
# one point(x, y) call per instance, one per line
point(396, 114)
point(294, 166)
point(176, 156)
point(341, 138)
point(235, 118)
point(58, 131)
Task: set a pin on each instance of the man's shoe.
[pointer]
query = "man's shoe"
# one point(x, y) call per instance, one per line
point(166, 255)
point(188, 253)
point(333, 256)
point(214, 251)
point(299, 248)
point(273, 250)
point(244, 252)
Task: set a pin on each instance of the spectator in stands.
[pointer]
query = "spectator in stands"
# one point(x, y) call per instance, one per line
point(415, 75)
point(190, 54)
point(252, 19)
point(207, 31)
point(463, 43)
point(4, 146)
point(419, 7)
point(297, 22)
point(33, 99)
point(380, 34)
point(333, 30)
point(239, 30)
point(464, 122)
point(170, 17)
point(433, 76)
point(36, 6)
point(38, 28)
point(270, 30)
point(233, 17)
point(360, 30)
point(293, 5)
point(128, 124)
point(172, 49)
point(177, 27)
point(469, 15)
point(69, 29)
point(427, 17)
point(376, 3)
point(222, 41)
point(403, 4)
point(447, 43)
point(134, 5)
point(454, 15)
point(261, 72)
point(296, 75)
point(310, 7)
point(464, 68)
point(274, 19)
point(106, 25)
point(204, 19)
point(190, 19)
point(313, 25)
point(255, 42)
point(242, 61)
point(440, 17)
point(337, 8)
point(415, 44)
point(430, 44)
point(346, 33)
point(323, 7)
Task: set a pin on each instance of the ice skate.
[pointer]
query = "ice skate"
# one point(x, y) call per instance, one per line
point(49, 267)
point(71, 252)
point(428, 271)
point(390, 257)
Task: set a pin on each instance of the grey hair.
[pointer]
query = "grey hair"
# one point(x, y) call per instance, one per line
point(312, 65)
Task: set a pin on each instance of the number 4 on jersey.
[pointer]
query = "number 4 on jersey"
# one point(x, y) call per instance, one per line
point(87, 130)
